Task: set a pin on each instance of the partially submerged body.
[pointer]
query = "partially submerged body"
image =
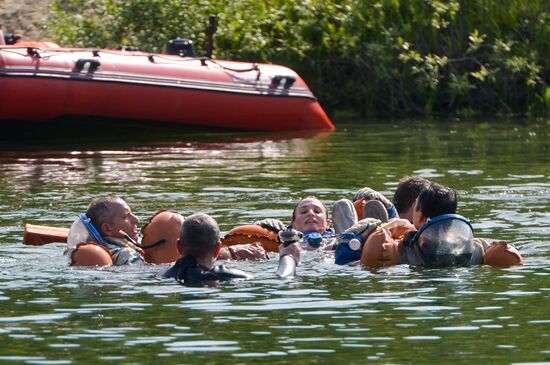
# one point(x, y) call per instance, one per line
point(199, 245)
point(158, 246)
point(188, 270)
point(374, 241)
point(454, 245)
point(110, 224)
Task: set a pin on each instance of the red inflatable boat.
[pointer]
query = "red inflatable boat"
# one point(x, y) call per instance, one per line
point(41, 81)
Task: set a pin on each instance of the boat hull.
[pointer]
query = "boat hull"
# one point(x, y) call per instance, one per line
point(45, 84)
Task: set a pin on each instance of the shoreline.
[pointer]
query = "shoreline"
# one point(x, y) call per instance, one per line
point(25, 18)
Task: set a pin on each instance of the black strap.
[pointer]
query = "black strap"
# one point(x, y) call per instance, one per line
point(158, 243)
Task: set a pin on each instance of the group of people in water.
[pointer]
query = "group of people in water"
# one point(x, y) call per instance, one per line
point(419, 228)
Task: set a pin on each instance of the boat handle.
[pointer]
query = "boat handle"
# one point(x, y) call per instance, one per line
point(90, 65)
point(277, 79)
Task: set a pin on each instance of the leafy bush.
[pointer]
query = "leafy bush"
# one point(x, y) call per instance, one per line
point(372, 57)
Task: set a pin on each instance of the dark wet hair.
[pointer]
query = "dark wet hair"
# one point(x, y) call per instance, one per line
point(100, 210)
point(308, 197)
point(408, 189)
point(436, 200)
point(199, 236)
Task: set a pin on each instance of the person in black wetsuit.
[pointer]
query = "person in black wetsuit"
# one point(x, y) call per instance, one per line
point(199, 245)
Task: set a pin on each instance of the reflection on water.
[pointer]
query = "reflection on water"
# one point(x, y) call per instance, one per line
point(53, 314)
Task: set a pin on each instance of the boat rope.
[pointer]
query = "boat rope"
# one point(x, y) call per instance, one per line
point(155, 244)
point(40, 53)
point(46, 54)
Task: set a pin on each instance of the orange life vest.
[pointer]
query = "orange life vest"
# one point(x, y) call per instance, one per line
point(160, 237)
point(380, 249)
point(250, 233)
point(90, 254)
point(40, 235)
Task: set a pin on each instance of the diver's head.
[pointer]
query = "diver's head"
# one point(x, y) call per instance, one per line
point(408, 189)
point(200, 238)
point(446, 240)
point(433, 201)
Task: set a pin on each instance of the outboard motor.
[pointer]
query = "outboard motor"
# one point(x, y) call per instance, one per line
point(10, 38)
point(180, 47)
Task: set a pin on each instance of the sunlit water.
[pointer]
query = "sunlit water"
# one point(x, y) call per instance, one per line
point(51, 313)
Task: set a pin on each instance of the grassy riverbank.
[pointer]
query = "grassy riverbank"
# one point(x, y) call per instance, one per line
point(420, 57)
point(24, 17)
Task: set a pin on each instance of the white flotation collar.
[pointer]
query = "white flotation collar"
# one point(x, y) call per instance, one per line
point(83, 230)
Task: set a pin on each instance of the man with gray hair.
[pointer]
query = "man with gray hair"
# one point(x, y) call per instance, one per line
point(110, 222)
point(199, 245)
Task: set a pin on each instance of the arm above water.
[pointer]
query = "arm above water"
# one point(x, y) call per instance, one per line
point(250, 251)
point(398, 227)
point(293, 250)
point(289, 259)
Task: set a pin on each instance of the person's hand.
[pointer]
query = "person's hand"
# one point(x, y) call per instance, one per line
point(250, 251)
point(398, 227)
point(272, 224)
point(294, 250)
point(364, 227)
point(370, 194)
point(224, 254)
point(501, 253)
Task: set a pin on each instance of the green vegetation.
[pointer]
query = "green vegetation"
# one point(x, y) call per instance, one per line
point(370, 57)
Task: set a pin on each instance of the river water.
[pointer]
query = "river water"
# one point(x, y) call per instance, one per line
point(51, 313)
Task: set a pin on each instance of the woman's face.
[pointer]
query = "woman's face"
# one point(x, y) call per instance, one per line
point(310, 215)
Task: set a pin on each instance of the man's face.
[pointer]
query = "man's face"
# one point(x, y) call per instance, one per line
point(310, 216)
point(418, 218)
point(122, 220)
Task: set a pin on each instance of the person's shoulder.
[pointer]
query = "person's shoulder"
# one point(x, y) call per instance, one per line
point(224, 273)
point(179, 267)
point(170, 273)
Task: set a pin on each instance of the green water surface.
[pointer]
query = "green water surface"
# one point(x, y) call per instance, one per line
point(51, 313)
